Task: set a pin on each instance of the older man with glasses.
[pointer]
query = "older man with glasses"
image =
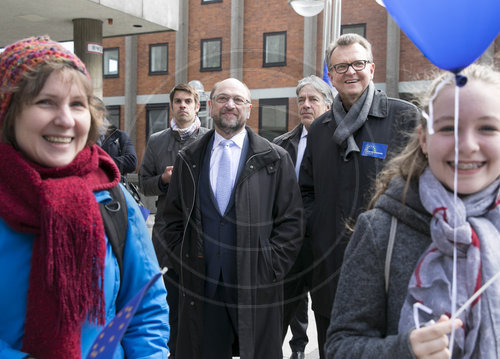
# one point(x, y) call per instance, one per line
point(314, 97)
point(346, 148)
point(234, 228)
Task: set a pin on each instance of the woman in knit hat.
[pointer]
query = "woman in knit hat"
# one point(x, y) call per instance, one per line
point(61, 282)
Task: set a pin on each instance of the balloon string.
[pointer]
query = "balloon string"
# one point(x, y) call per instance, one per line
point(455, 199)
point(477, 294)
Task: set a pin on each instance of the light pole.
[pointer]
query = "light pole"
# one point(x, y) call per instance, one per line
point(203, 114)
point(307, 7)
point(331, 17)
point(331, 23)
point(392, 56)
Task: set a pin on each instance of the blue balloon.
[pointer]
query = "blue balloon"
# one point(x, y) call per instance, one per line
point(452, 34)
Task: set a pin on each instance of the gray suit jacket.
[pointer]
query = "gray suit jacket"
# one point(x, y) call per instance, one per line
point(161, 151)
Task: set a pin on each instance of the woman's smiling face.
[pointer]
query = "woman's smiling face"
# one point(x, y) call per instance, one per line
point(478, 137)
point(54, 128)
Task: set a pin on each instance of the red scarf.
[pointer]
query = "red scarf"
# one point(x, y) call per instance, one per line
point(67, 264)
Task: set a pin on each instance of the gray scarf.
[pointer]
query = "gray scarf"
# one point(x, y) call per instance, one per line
point(188, 131)
point(348, 123)
point(477, 218)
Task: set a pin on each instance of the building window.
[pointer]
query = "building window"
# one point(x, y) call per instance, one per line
point(211, 54)
point(110, 62)
point(359, 29)
point(273, 117)
point(158, 59)
point(156, 118)
point(113, 115)
point(274, 49)
point(209, 1)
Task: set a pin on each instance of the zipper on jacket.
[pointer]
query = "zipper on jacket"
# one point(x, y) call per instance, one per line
point(257, 154)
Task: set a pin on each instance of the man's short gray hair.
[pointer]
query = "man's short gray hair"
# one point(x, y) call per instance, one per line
point(319, 85)
point(346, 40)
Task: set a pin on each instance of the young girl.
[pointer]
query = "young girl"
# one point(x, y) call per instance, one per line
point(61, 282)
point(416, 190)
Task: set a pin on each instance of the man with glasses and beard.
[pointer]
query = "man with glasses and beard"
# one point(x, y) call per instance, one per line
point(346, 147)
point(234, 228)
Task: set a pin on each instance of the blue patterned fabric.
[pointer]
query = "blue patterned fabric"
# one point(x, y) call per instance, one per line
point(224, 187)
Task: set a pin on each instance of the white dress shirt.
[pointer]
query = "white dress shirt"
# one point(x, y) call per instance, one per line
point(238, 140)
point(300, 151)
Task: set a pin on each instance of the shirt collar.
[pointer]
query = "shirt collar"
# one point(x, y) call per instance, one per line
point(238, 139)
point(304, 132)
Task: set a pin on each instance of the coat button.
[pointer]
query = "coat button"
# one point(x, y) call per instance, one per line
point(191, 303)
point(187, 255)
point(194, 166)
point(251, 166)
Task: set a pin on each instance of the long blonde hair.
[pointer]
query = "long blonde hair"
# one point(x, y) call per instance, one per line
point(411, 162)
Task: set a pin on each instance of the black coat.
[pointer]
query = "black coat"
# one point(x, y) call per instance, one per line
point(118, 145)
point(290, 141)
point(269, 233)
point(335, 192)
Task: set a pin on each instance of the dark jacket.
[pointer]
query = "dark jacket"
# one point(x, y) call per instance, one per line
point(303, 265)
point(335, 192)
point(118, 145)
point(364, 322)
point(161, 151)
point(290, 141)
point(269, 232)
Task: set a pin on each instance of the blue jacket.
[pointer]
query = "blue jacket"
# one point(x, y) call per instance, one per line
point(148, 333)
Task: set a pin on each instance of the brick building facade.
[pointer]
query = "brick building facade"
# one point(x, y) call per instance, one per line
point(271, 51)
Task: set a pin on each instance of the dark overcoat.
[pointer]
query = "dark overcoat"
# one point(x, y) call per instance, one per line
point(119, 146)
point(269, 233)
point(290, 141)
point(336, 191)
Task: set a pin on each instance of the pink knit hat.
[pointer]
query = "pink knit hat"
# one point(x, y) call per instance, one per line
point(24, 55)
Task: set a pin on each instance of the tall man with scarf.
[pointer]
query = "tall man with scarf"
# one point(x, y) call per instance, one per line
point(154, 178)
point(346, 147)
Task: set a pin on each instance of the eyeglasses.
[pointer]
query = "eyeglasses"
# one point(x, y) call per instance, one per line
point(238, 100)
point(342, 68)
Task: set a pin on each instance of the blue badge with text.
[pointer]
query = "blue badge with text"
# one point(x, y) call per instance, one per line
point(371, 149)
